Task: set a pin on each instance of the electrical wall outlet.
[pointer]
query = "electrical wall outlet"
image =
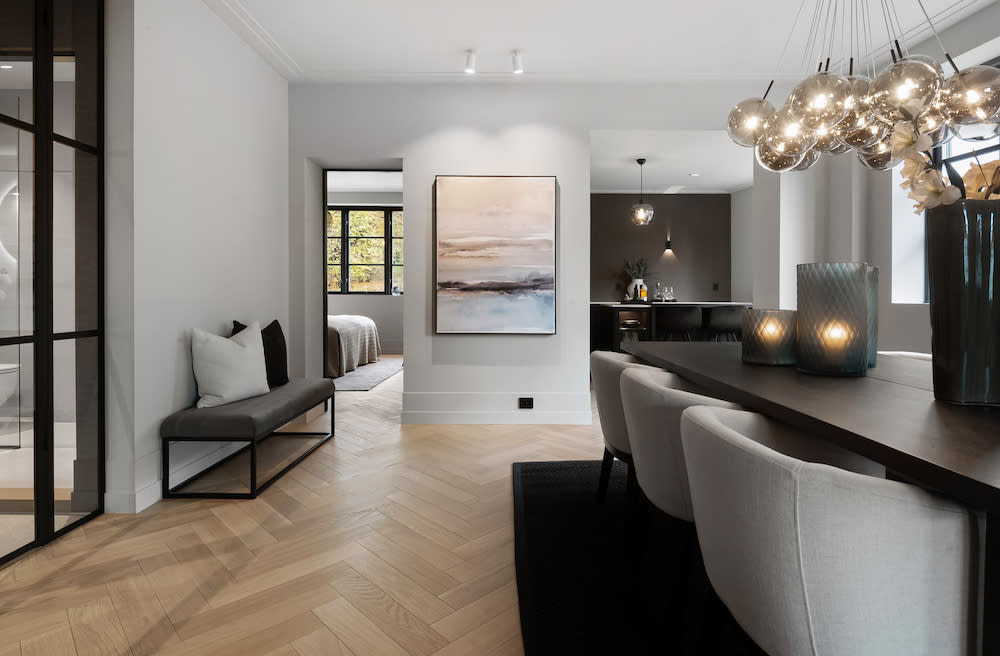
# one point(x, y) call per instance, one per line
point(526, 402)
point(715, 286)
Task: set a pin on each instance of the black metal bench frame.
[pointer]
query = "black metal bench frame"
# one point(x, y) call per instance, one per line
point(169, 492)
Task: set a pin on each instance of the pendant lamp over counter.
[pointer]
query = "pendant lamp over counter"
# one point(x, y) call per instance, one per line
point(642, 213)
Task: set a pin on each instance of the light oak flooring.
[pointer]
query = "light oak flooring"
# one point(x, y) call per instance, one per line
point(388, 540)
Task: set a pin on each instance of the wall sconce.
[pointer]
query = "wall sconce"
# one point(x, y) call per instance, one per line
point(666, 247)
point(836, 325)
point(768, 336)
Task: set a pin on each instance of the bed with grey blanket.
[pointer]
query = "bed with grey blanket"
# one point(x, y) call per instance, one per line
point(352, 340)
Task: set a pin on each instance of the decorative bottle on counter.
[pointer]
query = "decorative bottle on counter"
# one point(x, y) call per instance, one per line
point(643, 292)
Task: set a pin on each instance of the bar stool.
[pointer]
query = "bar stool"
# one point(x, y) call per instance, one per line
point(814, 559)
point(677, 322)
point(606, 370)
point(724, 322)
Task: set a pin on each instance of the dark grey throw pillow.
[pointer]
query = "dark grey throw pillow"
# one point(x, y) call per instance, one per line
point(275, 352)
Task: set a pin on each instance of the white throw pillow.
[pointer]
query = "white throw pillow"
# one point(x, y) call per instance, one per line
point(228, 369)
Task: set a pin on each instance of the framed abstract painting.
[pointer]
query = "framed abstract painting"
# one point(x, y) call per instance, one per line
point(495, 248)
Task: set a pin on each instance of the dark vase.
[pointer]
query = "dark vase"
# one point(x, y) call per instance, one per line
point(963, 267)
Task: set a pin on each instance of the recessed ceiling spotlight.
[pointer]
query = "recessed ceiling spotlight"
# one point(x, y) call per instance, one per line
point(518, 62)
point(470, 62)
point(694, 175)
point(6, 66)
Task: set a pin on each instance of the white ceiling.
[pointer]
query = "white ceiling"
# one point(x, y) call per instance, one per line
point(589, 40)
point(671, 157)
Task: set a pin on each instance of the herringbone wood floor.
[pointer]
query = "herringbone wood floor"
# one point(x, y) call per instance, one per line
point(388, 540)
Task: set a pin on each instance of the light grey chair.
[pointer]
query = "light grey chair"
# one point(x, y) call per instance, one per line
point(815, 559)
point(606, 369)
point(653, 401)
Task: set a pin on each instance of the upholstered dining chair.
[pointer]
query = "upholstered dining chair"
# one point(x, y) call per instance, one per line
point(606, 369)
point(653, 401)
point(826, 560)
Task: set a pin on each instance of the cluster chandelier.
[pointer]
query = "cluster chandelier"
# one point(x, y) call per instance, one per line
point(836, 111)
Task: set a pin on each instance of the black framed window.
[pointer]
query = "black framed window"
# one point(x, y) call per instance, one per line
point(364, 250)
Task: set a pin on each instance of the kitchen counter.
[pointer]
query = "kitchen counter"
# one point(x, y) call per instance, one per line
point(612, 322)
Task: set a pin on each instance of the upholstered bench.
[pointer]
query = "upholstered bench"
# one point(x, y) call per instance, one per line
point(252, 421)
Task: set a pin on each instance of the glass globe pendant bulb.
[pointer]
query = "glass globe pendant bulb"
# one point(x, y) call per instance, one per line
point(972, 95)
point(879, 157)
point(746, 120)
point(810, 158)
point(977, 131)
point(934, 123)
point(865, 132)
point(642, 214)
point(773, 160)
point(819, 100)
point(828, 141)
point(902, 91)
point(785, 134)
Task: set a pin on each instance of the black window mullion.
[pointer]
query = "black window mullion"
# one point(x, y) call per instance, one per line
point(345, 257)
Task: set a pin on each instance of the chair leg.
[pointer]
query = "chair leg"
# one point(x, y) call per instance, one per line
point(602, 485)
point(632, 487)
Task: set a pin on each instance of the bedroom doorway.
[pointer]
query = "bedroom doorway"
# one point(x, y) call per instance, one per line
point(363, 260)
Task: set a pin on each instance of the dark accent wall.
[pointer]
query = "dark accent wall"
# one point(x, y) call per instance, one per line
point(698, 225)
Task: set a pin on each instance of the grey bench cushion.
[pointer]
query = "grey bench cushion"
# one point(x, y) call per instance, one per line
point(251, 418)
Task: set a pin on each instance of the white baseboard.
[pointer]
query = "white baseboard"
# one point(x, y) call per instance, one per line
point(147, 496)
point(509, 417)
point(119, 502)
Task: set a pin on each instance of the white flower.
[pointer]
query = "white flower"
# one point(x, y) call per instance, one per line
point(906, 141)
point(912, 167)
point(929, 190)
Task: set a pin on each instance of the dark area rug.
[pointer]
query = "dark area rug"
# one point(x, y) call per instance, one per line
point(368, 375)
point(607, 578)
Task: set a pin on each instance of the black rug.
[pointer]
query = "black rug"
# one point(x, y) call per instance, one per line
point(606, 578)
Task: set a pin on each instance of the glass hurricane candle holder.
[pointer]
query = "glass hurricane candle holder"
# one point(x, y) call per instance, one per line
point(832, 321)
point(769, 336)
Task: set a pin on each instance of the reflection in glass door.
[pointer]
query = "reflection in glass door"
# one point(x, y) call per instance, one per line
point(51, 270)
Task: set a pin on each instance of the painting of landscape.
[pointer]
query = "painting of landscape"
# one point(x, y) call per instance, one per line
point(495, 254)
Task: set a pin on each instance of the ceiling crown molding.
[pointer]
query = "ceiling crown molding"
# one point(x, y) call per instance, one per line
point(240, 21)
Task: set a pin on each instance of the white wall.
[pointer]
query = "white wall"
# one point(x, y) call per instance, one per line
point(474, 128)
point(741, 235)
point(208, 217)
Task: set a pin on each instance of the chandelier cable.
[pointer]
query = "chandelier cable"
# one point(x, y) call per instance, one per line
point(937, 36)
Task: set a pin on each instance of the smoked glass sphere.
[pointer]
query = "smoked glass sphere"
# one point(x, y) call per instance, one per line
point(864, 132)
point(810, 158)
point(972, 95)
point(772, 160)
point(785, 134)
point(977, 131)
point(857, 101)
point(878, 157)
point(902, 91)
point(746, 120)
point(934, 124)
point(820, 100)
point(828, 141)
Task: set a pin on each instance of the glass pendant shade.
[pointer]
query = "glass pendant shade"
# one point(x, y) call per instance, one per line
point(905, 88)
point(879, 157)
point(820, 100)
point(977, 131)
point(785, 134)
point(972, 95)
point(829, 141)
point(768, 336)
point(810, 158)
point(833, 321)
point(934, 123)
point(642, 214)
point(746, 120)
point(772, 160)
point(864, 132)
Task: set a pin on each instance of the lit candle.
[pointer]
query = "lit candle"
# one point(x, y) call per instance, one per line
point(768, 336)
point(835, 318)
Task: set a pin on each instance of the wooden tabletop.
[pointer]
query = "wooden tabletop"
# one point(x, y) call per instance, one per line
point(889, 416)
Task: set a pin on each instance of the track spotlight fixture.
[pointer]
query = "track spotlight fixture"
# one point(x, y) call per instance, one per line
point(470, 62)
point(518, 62)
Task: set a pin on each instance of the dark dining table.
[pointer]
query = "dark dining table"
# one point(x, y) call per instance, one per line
point(890, 416)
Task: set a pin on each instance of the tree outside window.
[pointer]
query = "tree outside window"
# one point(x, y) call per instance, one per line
point(364, 252)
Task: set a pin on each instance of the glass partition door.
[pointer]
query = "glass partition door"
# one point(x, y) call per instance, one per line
point(51, 269)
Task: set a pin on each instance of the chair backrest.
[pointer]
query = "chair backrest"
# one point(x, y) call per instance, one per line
point(813, 559)
point(724, 319)
point(670, 319)
point(606, 369)
point(653, 402)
